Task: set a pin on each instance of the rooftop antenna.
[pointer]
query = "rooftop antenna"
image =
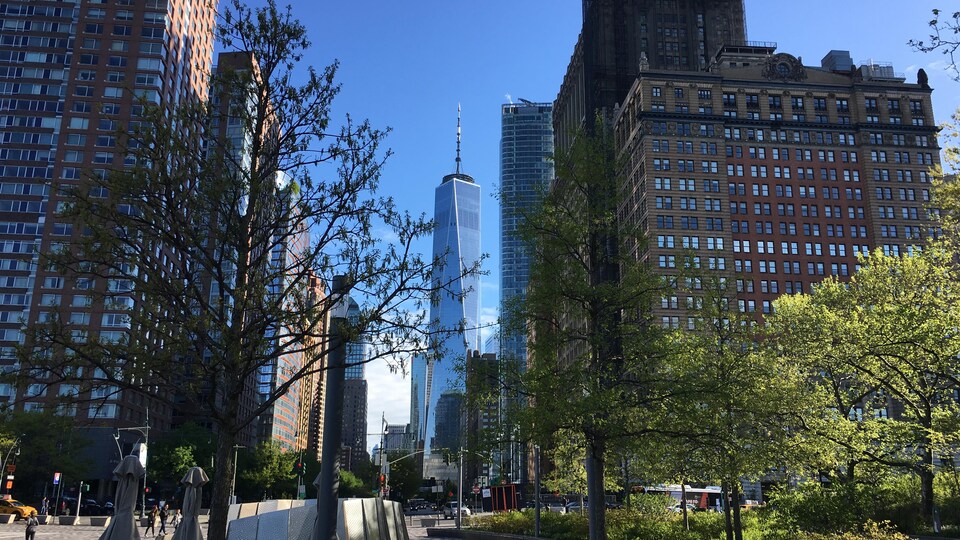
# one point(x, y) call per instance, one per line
point(458, 138)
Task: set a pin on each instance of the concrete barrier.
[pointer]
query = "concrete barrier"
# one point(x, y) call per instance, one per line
point(45, 519)
point(99, 521)
point(7, 518)
point(68, 520)
point(428, 523)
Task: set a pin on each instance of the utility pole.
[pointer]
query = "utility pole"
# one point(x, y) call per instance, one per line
point(536, 490)
point(329, 481)
point(145, 432)
point(460, 490)
point(233, 485)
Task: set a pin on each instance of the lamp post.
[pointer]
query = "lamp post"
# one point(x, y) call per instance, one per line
point(15, 450)
point(145, 432)
point(233, 486)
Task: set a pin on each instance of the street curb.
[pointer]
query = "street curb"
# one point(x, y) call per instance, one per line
point(470, 534)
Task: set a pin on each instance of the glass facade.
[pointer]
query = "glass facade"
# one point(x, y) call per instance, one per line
point(526, 169)
point(455, 312)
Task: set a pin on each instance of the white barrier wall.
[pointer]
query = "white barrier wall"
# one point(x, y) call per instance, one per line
point(357, 519)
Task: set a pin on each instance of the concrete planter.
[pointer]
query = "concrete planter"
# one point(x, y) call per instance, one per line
point(99, 521)
point(68, 520)
point(7, 518)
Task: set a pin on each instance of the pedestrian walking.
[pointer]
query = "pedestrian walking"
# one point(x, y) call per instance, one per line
point(32, 524)
point(152, 520)
point(45, 506)
point(176, 518)
point(163, 518)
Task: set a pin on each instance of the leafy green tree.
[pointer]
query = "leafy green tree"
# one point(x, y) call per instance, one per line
point(893, 328)
point(351, 486)
point(595, 360)
point(175, 452)
point(48, 443)
point(739, 420)
point(271, 470)
point(405, 476)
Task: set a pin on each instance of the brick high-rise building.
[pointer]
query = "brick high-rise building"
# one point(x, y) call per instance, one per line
point(71, 75)
point(774, 172)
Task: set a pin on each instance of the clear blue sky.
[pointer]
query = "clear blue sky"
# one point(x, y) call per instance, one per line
point(406, 65)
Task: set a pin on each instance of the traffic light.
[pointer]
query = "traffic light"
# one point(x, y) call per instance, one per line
point(146, 490)
point(298, 468)
point(86, 487)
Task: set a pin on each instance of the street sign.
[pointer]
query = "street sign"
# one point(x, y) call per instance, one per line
point(476, 489)
point(9, 477)
point(11, 468)
point(56, 478)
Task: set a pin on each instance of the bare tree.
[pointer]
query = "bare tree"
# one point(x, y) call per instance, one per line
point(944, 37)
point(209, 255)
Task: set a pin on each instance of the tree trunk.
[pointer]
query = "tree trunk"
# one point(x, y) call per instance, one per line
point(735, 503)
point(728, 522)
point(683, 504)
point(596, 502)
point(626, 482)
point(926, 485)
point(223, 477)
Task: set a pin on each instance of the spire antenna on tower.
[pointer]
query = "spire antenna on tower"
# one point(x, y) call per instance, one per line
point(458, 138)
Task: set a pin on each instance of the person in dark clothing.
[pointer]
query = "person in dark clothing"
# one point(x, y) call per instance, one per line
point(152, 520)
point(163, 518)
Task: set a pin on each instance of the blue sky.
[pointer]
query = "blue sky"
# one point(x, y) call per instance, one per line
point(407, 64)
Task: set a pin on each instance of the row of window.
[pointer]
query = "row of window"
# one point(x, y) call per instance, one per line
point(688, 203)
point(690, 223)
point(710, 243)
point(807, 229)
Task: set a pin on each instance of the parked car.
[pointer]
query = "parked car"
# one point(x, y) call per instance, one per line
point(575, 506)
point(17, 508)
point(450, 510)
point(88, 506)
point(679, 509)
point(556, 507)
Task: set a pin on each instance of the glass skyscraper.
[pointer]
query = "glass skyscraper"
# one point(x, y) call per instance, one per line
point(455, 312)
point(526, 168)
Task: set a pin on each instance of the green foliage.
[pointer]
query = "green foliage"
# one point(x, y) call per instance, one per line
point(176, 451)
point(889, 335)
point(271, 471)
point(842, 508)
point(48, 443)
point(628, 525)
point(651, 506)
point(405, 476)
point(351, 486)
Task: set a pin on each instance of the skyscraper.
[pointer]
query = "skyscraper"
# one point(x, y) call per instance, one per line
point(455, 313)
point(72, 74)
point(354, 433)
point(620, 36)
point(526, 168)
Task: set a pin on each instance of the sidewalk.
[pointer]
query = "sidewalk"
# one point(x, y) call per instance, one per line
point(66, 532)
point(83, 532)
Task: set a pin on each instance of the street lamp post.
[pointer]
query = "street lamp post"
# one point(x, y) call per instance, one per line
point(145, 432)
point(15, 450)
point(233, 486)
